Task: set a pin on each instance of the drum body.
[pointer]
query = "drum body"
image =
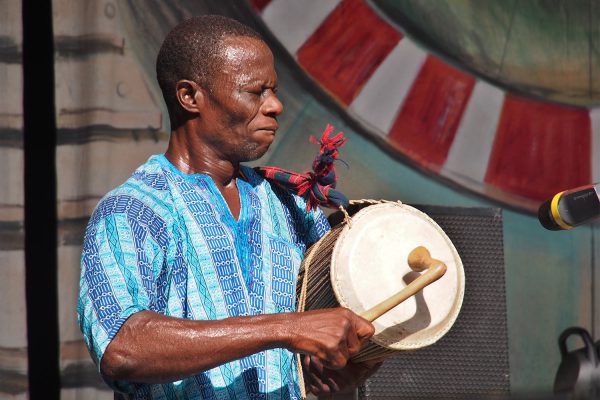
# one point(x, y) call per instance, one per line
point(363, 261)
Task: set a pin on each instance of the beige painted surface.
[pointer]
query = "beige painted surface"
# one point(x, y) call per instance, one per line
point(88, 21)
point(20, 396)
point(11, 101)
point(86, 393)
point(90, 170)
point(13, 328)
point(11, 177)
point(103, 89)
point(11, 20)
point(13, 317)
point(68, 287)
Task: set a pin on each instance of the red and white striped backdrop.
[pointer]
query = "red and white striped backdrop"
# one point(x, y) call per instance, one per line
point(514, 149)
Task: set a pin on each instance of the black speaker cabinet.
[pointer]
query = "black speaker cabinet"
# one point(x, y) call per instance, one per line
point(471, 360)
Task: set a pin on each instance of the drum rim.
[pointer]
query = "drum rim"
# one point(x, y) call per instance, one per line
point(405, 343)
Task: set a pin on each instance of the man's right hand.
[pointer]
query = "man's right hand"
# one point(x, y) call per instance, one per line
point(332, 335)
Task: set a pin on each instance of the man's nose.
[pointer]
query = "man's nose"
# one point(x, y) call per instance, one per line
point(272, 105)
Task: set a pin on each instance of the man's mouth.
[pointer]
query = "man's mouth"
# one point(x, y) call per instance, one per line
point(272, 129)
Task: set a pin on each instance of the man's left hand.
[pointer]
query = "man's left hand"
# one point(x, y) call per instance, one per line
point(320, 380)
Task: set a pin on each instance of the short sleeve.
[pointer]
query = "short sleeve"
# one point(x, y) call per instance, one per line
point(317, 226)
point(120, 260)
point(311, 224)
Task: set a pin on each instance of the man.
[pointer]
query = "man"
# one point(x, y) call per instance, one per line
point(189, 268)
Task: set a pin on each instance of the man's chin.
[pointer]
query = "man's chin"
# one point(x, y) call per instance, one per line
point(254, 153)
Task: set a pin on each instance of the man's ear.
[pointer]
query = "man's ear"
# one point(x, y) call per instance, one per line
point(189, 95)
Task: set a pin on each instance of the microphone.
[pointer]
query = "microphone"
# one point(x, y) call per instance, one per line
point(571, 208)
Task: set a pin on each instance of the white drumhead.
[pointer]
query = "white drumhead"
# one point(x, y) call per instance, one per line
point(369, 264)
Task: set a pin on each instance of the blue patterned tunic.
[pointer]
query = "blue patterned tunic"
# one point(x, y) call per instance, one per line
point(167, 242)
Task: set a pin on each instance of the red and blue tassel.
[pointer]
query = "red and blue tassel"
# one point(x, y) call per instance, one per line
point(316, 187)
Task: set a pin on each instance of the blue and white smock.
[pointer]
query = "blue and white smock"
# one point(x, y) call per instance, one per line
point(167, 242)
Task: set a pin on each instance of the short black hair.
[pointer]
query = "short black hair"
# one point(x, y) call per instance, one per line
point(190, 51)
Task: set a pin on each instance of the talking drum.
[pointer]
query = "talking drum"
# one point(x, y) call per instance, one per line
point(370, 257)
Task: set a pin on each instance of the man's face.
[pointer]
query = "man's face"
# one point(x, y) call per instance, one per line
point(240, 117)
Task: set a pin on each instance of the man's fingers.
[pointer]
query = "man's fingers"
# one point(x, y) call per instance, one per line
point(316, 383)
point(333, 383)
point(364, 329)
point(305, 358)
point(320, 379)
point(353, 342)
point(316, 364)
point(337, 360)
point(315, 374)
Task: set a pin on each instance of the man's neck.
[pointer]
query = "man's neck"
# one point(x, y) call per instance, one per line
point(192, 157)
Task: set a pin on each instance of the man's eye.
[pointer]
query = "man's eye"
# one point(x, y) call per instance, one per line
point(262, 91)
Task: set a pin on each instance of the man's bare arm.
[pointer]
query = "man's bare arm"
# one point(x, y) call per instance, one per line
point(153, 348)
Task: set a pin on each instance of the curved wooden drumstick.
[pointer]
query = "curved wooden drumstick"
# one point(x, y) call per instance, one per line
point(419, 260)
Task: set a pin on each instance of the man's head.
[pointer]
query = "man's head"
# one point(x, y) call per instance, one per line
point(220, 75)
point(192, 51)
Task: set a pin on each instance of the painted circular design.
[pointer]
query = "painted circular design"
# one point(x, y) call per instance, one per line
point(512, 148)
